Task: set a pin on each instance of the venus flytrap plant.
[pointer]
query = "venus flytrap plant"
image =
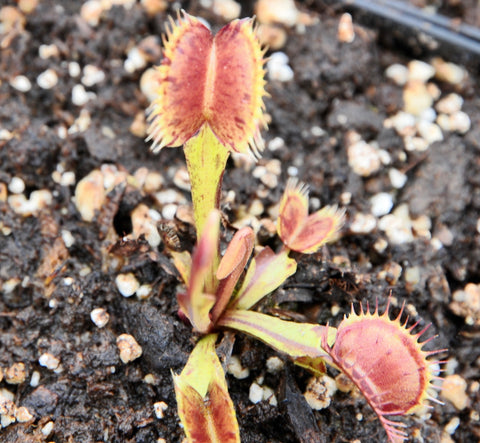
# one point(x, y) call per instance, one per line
point(210, 99)
point(208, 313)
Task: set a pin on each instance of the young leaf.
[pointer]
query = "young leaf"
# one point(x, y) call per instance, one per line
point(204, 405)
point(199, 299)
point(267, 271)
point(302, 232)
point(386, 362)
point(231, 267)
point(298, 340)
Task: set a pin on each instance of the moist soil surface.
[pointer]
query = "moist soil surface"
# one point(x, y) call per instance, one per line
point(56, 266)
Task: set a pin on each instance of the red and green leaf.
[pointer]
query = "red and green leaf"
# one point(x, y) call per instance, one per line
point(200, 297)
point(177, 113)
point(267, 271)
point(231, 267)
point(298, 340)
point(214, 81)
point(386, 362)
point(302, 232)
point(204, 405)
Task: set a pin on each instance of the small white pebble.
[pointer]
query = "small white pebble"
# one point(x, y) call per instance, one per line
point(452, 425)
point(5, 134)
point(345, 198)
point(148, 83)
point(68, 281)
point(259, 171)
point(363, 158)
point(169, 211)
point(91, 11)
point(100, 317)
point(235, 368)
point(68, 238)
point(74, 69)
point(128, 347)
point(144, 291)
point(269, 395)
point(35, 379)
point(82, 122)
point(21, 83)
point(90, 195)
point(278, 11)
point(449, 104)
point(80, 96)
point(16, 374)
point(270, 180)
point(419, 70)
point(415, 144)
point(384, 156)
point(292, 171)
point(10, 284)
point(127, 284)
point(255, 394)
point(428, 114)
point(363, 223)
point(67, 178)
point(434, 90)
point(345, 32)
point(397, 178)
point(443, 120)
point(6, 395)
point(274, 166)
point(460, 122)
point(49, 361)
point(144, 223)
point(278, 69)
point(7, 419)
point(448, 72)
point(403, 123)
point(169, 196)
point(431, 132)
point(380, 245)
point(319, 392)
point(38, 200)
point(454, 390)
point(22, 414)
point(16, 185)
point(47, 79)
point(135, 60)
point(412, 275)
point(274, 364)
point(48, 429)
point(47, 51)
point(276, 143)
point(381, 204)
point(153, 182)
point(397, 226)
point(92, 75)
point(150, 379)
point(397, 73)
point(228, 9)
point(159, 408)
point(416, 97)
